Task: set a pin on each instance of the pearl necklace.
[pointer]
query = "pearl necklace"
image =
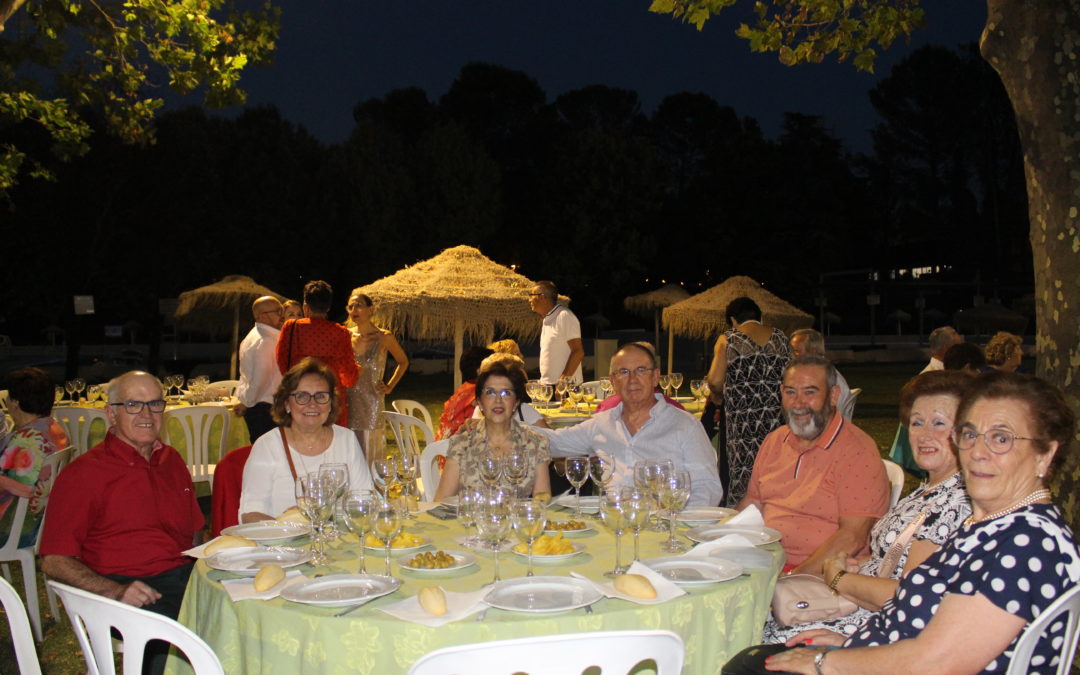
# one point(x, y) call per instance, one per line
point(1041, 493)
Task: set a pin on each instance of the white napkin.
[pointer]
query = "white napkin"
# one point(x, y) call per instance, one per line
point(244, 589)
point(748, 517)
point(727, 542)
point(665, 590)
point(424, 507)
point(458, 606)
point(735, 548)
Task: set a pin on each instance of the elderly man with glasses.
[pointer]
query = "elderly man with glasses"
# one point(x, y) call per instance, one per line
point(643, 427)
point(121, 515)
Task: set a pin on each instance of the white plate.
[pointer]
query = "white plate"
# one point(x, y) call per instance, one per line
point(589, 504)
point(537, 558)
point(461, 561)
point(451, 501)
point(396, 551)
point(248, 561)
point(758, 536)
point(694, 571)
point(341, 590)
point(268, 531)
point(541, 595)
point(705, 514)
point(569, 533)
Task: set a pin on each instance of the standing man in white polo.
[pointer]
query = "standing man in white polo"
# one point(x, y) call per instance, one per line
point(561, 350)
point(259, 374)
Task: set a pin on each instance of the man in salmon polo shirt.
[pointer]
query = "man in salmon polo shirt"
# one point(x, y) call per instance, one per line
point(121, 514)
point(818, 479)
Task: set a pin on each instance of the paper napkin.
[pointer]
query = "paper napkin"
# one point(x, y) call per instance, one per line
point(665, 590)
point(458, 606)
point(244, 589)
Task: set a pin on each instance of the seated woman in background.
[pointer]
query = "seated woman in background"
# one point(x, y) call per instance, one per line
point(933, 511)
point(305, 406)
point(22, 453)
point(459, 407)
point(1003, 352)
point(499, 391)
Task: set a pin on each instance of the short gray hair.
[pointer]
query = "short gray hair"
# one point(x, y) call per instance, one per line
point(942, 338)
point(814, 360)
point(645, 347)
point(117, 382)
point(815, 341)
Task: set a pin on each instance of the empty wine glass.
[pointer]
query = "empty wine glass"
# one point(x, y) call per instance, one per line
point(515, 467)
point(676, 380)
point(647, 476)
point(695, 388)
point(532, 389)
point(601, 471)
point(577, 472)
point(639, 504)
point(58, 394)
point(493, 524)
point(607, 386)
point(178, 382)
point(546, 393)
point(612, 509)
point(386, 523)
point(359, 508)
point(80, 385)
point(674, 491)
point(314, 499)
point(383, 472)
point(665, 382)
point(407, 468)
point(468, 498)
point(489, 467)
point(560, 389)
point(528, 518)
point(69, 387)
point(336, 477)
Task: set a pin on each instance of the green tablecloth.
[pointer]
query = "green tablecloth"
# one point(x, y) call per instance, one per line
point(276, 636)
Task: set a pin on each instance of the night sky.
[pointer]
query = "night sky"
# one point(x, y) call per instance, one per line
point(336, 53)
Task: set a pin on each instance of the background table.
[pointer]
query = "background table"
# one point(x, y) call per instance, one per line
point(275, 636)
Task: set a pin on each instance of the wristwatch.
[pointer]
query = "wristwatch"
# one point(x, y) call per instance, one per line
point(819, 661)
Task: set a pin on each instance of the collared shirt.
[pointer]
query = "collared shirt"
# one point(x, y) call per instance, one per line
point(804, 493)
point(669, 433)
point(259, 374)
point(560, 326)
point(471, 440)
point(935, 364)
point(121, 514)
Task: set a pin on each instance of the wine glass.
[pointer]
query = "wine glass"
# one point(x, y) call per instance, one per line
point(531, 389)
point(695, 389)
point(560, 388)
point(601, 471)
point(647, 476)
point(589, 395)
point(313, 498)
point(493, 524)
point(359, 508)
point(515, 467)
point(489, 467)
point(607, 386)
point(546, 393)
point(527, 518)
point(577, 472)
point(639, 505)
point(674, 492)
point(676, 380)
point(80, 386)
point(383, 472)
point(407, 468)
point(69, 387)
point(612, 509)
point(178, 382)
point(58, 394)
point(665, 382)
point(386, 524)
point(336, 477)
point(467, 500)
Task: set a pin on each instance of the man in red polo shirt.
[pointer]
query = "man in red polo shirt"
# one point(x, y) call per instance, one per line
point(121, 514)
point(818, 479)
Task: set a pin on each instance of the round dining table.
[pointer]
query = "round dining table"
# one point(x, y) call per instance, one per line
point(253, 636)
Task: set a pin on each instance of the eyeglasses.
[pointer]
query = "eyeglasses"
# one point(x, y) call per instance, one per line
point(271, 311)
point(997, 441)
point(303, 397)
point(536, 295)
point(623, 373)
point(500, 393)
point(136, 407)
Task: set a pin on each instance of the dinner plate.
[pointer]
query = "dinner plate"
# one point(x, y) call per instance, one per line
point(699, 515)
point(588, 504)
point(341, 590)
point(462, 560)
point(757, 536)
point(249, 560)
point(537, 558)
point(404, 549)
point(268, 531)
point(540, 595)
point(694, 571)
point(569, 533)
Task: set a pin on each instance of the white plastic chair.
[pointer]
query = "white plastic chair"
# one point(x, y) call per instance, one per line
point(77, 423)
point(415, 408)
point(1068, 604)
point(896, 481)
point(849, 406)
point(227, 385)
point(94, 616)
point(612, 652)
point(197, 423)
point(593, 388)
point(25, 652)
point(409, 432)
point(26, 556)
point(429, 467)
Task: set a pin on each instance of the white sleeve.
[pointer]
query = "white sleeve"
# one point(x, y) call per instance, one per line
point(571, 441)
point(569, 326)
point(529, 414)
point(256, 494)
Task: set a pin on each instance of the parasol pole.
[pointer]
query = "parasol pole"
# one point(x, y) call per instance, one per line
point(235, 337)
point(670, 348)
point(656, 328)
point(459, 339)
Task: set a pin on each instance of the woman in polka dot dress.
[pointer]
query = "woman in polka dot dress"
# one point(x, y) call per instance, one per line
point(963, 609)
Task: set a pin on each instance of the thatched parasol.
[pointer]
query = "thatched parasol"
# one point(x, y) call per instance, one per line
point(458, 293)
point(654, 301)
point(702, 315)
point(211, 307)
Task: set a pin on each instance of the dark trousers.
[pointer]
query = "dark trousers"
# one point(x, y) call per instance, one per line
point(258, 420)
point(171, 585)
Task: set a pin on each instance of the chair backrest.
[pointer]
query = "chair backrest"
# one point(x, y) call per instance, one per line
point(25, 651)
point(197, 422)
point(612, 652)
point(228, 385)
point(415, 408)
point(896, 481)
point(409, 432)
point(429, 467)
point(849, 405)
point(50, 468)
point(94, 616)
point(1068, 604)
point(227, 485)
point(77, 423)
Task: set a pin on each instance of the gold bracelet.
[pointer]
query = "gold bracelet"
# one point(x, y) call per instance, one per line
point(835, 581)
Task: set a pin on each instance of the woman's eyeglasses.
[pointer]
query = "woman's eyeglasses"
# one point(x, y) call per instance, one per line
point(997, 441)
point(303, 397)
point(497, 393)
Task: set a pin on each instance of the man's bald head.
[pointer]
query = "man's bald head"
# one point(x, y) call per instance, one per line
point(268, 310)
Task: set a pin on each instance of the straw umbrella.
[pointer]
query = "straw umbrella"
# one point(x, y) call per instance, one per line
point(653, 302)
point(213, 306)
point(702, 315)
point(458, 293)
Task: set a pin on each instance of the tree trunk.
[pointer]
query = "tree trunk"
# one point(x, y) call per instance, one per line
point(1033, 45)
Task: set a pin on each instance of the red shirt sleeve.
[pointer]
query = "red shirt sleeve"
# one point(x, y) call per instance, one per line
point(69, 515)
point(281, 352)
point(344, 361)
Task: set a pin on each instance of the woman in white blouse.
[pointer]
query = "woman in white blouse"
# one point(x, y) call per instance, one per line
point(305, 406)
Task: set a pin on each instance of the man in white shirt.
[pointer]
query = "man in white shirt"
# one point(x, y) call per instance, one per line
point(940, 340)
point(259, 375)
point(561, 350)
point(807, 341)
point(643, 427)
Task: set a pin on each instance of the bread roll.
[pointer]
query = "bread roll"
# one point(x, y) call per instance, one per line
point(268, 577)
point(635, 585)
point(227, 541)
point(433, 600)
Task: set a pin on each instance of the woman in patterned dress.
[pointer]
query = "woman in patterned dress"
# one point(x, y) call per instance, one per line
point(746, 372)
point(934, 510)
point(367, 398)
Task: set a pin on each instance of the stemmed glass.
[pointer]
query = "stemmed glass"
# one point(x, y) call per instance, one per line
point(69, 387)
point(386, 524)
point(676, 380)
point(638, 505)
point(468, 498)
point(515, 467)
point(314, 498)
point(695, 388)
point(674, 491)
point(612, 508)
point(359, 507)
point(607, 386)
point(532, 389)
point(528, 518)
point(383, 472)
point(648, 475)
point(601, 471)
point(336, 477)
point(489, 467)
point(560, 388)
point(492, 523)
point(665, 382)
point(178, 382)
point(408, 465)
point(546, 393)
point(58, 394)
point(577, 472)
point(80, 385)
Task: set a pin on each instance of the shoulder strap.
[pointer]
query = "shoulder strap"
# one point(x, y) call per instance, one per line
point(288, 455)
